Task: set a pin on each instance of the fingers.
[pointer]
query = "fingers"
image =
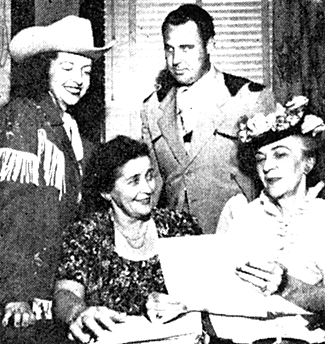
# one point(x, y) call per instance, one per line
point(7, 316)
point(20, 312)
point(266, 277)
point(109, 318)
point(70, 336)
point(76, 331)
point(91, 322)
point(163, 316)
point(162, 300)
point(95, 322)
point(162, 307)
point(17, 319)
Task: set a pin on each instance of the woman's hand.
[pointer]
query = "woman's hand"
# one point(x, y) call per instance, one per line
point(94, 322)
point(266, 277)
point(21, 313)
point(161, 307)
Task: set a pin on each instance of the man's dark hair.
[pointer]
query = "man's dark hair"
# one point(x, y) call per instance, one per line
point(195, 13)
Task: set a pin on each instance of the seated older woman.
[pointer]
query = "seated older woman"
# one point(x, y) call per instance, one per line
point(280, 234)
point(110, 264)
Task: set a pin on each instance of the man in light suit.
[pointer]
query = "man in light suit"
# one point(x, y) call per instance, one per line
point(190, 121)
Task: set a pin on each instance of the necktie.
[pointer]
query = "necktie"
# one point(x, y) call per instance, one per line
point(183, 112)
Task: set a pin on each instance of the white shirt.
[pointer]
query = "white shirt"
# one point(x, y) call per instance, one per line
point(71, 128)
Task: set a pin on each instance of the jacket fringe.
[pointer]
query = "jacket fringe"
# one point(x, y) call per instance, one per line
point(23, 166)
point(20, 164)
point(53, 163)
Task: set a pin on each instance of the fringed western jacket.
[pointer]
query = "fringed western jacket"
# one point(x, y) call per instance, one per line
point(39, 186)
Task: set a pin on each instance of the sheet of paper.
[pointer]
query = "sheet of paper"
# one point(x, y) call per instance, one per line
point(248, 330)
point(200, 270)
point(138, 329)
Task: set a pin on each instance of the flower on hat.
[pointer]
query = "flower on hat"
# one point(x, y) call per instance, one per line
point(281, 119)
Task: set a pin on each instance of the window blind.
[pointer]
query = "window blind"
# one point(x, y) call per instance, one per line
point(238, 41)
point(136, 60)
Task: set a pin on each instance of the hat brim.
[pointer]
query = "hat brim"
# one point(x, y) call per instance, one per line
point(273, 136)
point(34, 40)
point(246, 151)
point(93, 53)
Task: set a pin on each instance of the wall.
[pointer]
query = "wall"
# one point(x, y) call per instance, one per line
point(49, 11)
point(5, 34)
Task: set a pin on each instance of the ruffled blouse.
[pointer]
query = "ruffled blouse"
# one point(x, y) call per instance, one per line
point(259, 230)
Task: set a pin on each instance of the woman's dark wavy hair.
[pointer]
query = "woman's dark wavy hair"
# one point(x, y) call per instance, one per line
point(31, 77)
point(313, 147)
point(193, 12)
point(104, 169)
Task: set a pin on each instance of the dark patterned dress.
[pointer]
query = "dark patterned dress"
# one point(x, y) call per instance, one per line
point(110, 280)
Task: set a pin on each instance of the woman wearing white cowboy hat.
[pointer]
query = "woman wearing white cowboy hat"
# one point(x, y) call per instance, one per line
point(40, 154)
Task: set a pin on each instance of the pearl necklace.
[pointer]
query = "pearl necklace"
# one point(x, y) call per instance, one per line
point(137, 243)
point(133, 242)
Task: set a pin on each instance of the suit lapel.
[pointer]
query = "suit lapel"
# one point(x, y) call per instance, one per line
point(211, 115)
point(168, 126)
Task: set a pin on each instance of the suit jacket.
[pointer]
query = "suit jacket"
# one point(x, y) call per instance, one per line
point(39, 186)
point(209, 174)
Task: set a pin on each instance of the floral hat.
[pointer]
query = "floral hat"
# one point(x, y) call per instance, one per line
point(284, 121)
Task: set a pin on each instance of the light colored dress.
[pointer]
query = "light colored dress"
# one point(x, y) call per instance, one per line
point(258, 231)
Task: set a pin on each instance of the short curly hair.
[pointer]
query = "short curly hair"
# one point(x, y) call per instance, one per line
point(193, 12)
point(105, 166)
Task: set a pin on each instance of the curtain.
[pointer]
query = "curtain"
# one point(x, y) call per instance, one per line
point(299, 51)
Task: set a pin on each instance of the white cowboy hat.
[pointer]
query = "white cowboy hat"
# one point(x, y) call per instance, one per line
point(70, 34)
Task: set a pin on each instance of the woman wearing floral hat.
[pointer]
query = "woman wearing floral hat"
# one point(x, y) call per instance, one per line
point(278, 237)
point(41, 151)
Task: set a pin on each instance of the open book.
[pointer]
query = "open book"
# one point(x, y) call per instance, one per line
point(138, 329)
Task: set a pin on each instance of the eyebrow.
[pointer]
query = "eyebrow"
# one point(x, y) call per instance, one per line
point(132, 176)
point(150, 169)
point(72, 63)
point(274, 148)
point(187, 45)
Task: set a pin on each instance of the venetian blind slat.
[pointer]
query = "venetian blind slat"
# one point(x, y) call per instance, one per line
point(238, 46)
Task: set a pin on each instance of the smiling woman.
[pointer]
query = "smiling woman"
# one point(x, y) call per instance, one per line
point(110, 266)
point(278, 236)
point(40, 168)
point(69, 78)
point(283, 165)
